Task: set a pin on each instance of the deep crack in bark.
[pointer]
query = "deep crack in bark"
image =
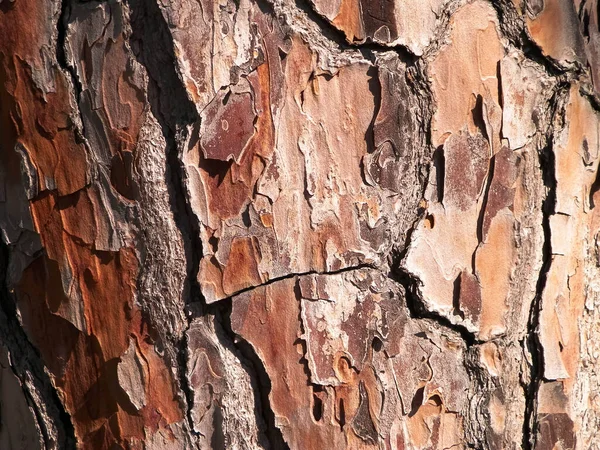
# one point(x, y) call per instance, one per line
point(515, 29)
point(532, 343)
point(63, 62)
point(176, 115)
point(259, 378)
point(418, 310)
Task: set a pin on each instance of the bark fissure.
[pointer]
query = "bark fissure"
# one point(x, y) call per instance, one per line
point(410, 282)
point(419, 311)
point(311, 272)
point(176, 115)
point(532, 344)
point(254, 364)
point(66, 66)
point(515, 29)
point(260, 379)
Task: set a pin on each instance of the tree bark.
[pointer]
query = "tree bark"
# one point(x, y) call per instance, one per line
point(309, 224)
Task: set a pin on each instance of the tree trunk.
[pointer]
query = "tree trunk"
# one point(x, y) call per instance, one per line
point(309, 224)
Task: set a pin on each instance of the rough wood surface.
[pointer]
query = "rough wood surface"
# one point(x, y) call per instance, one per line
point(309, 224)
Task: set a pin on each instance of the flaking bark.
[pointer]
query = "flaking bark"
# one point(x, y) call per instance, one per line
point(265, 224)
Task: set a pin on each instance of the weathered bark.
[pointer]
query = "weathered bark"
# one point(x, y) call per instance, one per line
point(305, 224)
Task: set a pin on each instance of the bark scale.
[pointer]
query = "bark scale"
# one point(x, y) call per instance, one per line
point(299, 224)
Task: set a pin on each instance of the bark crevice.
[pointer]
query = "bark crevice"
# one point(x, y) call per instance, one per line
point(310, 272)
point(417, 308)
point(514, 28)
point(176, 115)
point(67, 67)
point(532, 344)
point(259, 378)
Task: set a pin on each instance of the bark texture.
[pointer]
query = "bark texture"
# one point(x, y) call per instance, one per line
point(304, 224)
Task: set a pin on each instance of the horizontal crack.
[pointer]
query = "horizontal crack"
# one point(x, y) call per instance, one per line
point(301, 274)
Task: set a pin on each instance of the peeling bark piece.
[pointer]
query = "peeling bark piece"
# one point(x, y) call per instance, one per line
point(436, 407)
point(112, 87)
point(465, 249)
point(267, 317)
point(341, 317)
point(474, 42)
point(556, 428)
point(211, 39)
point(440, 251)
point(131, 374)
point(498, 253)
point(362, 424)
point(398, 145)
point(467, 158)
point(469, 296)
point(242, 266)
point(227, 125)
point(420, 370)
point(446, 428)
point(523, 86)
point(398, 22)
point(577, 152)
point(553, 25)
point(46, 133)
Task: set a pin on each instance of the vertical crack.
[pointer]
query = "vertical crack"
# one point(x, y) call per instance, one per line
point(66, 66)
point(260, 381)
point(532, 344)
point(152, 45)
point(532, 341)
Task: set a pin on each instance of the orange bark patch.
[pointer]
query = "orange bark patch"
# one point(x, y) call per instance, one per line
point(274, 336)
point(42, 126)
point(78, 308)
